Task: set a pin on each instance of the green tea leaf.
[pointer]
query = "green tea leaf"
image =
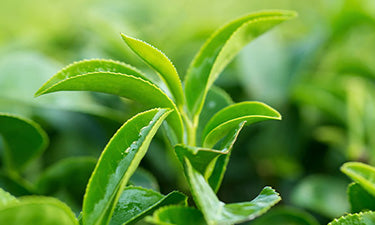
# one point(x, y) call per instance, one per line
point(177, 215)
point(286, 216)
point(367, 218)
point(6, 198)
point(90, 66)
point(228, 119)
point(360, 199)
point(23, 140)
point(160, 63)
point(361, 173)
point(37, 210)
point(14, 186)
point(117, 163)
point(125, 86)
point(221, 48)
point(69, 175)
point(217, 212)
point(216, 100)
point(145, 179)
point(136, 202)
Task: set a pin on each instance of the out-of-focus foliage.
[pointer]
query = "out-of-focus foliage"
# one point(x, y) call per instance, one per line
point(318, 72)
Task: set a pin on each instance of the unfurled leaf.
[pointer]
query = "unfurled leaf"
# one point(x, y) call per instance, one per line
point(136, 202)
point(117, 163)
point(221, 48)
point(361, 173)
point(360, 199)
point(217, 212)
point(160, 63)
point(228, 119)
point(127, 86)
point(90, 66)
point(367, 218)
point(286, 216)
point(216, 100)
point(37, 210)
point(23, 141)
point(177, 215)
point(6, 198)
point(68, 175)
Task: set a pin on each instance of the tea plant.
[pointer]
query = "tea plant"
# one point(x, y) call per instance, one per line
point(199, 121)
point(361, 194)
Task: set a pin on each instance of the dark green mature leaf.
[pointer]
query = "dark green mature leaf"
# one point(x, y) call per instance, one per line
point(221, 48)
point(228, 119)
point(145, 179)
point(161, 64)
point(177, 215)
point(24, 140)
point(367, 218)
point(122, 85)
point(14, 186)
point(286, 216)
point(136, 202)
point(70, 175)
point(37, 210)
point(6, 198)
point(117, 163)
point(217, 212)
point(360, 199)
point(361, 173)
point(90, 66)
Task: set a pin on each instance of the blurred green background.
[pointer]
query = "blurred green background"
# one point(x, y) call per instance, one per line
point(317, 70)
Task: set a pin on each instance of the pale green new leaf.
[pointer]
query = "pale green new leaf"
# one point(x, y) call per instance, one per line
point(361, 173)
point(37, 210)
point(367, 218)
point(117, 163)
point(23, 141)
point(136, 202)
point(219, 213)
point(127, 86)
point(228, 119)
point(6, 198)
point(177, 215)
point(160, 63)
point(221, 48)
point(90, 66)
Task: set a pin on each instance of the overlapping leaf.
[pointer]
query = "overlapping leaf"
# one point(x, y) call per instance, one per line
point(37, 210)
point(360, 199)
point(177, 215)
point(221, 48)
point(217, 212)
point(160, 63)
point(24, 140)
point(127, 86)
point(286, 216)
point(361, 173)
point(228, 119)
point(367, 218)
point(136, 202)
point(6, 198)
point(117, 163)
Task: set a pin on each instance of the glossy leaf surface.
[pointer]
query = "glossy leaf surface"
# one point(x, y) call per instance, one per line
point(177, 215)
point(361, 173)
point(37, 210)
point(122, 85)
point(160, 63)
point(23, 141)
point(117, 163)
point(217, 212)
point(367, 218)
point(136, 202)
point(221, 48)
point(90, 66)
point(228, 119)
point(360, 199)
